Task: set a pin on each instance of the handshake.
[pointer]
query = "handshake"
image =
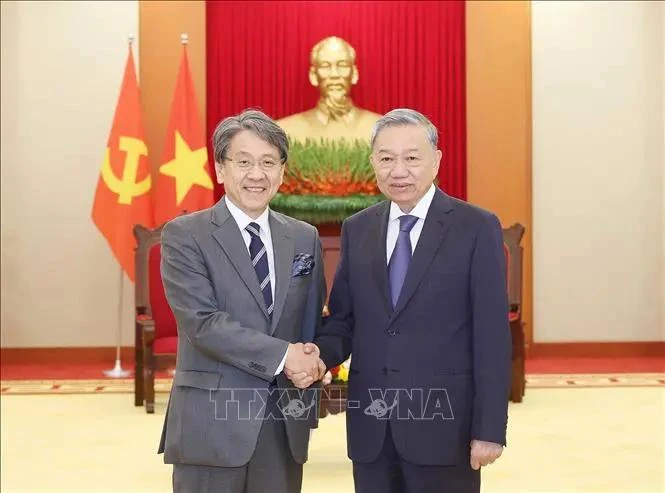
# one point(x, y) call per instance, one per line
point(303, 365)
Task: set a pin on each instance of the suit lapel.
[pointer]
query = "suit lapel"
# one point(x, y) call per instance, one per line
point(377, 243)
point(283, 249)
point(431, 238)
point(230, 239)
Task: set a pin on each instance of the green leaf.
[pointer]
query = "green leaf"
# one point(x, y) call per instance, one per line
point(322, 209)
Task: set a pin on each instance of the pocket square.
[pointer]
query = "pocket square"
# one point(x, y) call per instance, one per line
point(303, 263)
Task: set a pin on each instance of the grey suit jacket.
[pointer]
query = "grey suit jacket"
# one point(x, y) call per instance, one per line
point(228, 347)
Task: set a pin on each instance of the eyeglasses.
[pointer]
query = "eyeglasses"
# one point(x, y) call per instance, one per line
point(246, 163)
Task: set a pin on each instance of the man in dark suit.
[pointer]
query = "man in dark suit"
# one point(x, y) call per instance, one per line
point(245, 285)
point(419, 298)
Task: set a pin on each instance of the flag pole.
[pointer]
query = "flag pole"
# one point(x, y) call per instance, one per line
point(184, 40)
point(117, 371)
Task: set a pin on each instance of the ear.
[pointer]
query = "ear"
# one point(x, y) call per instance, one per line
point(281, 175)
point(354, 76)
point(372, 160)
point(313, 79)
point(437, 161)
point(219, 172)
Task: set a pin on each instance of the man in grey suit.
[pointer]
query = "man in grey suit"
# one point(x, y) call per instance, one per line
point(246, 287)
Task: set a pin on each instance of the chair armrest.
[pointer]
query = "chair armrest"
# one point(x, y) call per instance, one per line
point(147, 327)
point(146, 323)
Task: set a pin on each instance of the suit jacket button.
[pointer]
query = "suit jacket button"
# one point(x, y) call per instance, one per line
point(392, 332)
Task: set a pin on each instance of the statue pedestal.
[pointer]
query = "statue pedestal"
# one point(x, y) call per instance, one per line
point(331, 255)
point(332, 230)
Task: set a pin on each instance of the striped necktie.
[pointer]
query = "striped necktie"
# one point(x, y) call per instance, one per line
point(259, 256)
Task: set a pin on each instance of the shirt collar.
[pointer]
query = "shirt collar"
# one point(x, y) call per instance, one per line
point(242, 219)
point(420, 210)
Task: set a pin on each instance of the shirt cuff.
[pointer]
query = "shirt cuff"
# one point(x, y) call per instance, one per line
point(281, 365)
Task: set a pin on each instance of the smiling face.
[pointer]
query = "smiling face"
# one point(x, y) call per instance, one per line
point(249, 184)
point(405, 164)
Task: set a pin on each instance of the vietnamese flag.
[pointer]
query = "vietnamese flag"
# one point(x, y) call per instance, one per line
point(183, 183)
point(122, 199)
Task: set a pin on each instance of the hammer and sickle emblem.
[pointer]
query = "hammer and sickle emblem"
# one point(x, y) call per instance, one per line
point(127, 187)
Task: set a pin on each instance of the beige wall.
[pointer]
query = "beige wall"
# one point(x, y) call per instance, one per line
point(160, 24)
point(61, 70)
point(598, 171)
point(498, 60)
point(62, 65)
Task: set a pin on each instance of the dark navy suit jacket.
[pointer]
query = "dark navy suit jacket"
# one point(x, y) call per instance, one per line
point(438, 365)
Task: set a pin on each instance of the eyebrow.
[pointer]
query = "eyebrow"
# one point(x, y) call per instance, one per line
point(412, 149)
point(267, 154)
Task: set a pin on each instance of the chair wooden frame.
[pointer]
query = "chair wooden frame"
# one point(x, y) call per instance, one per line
point(146, 362)
point(512, 238)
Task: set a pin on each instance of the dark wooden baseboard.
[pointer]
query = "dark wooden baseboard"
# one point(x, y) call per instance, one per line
point(60, 355)
point(596, 349)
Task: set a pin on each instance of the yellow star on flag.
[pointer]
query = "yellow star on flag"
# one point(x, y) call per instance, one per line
point(188, 168)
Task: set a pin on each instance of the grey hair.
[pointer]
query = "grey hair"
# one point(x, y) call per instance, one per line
point(406, 116)
point(255, 121)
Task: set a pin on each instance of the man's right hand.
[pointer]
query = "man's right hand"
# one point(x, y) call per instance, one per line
point(303, 366)
point(300, 363)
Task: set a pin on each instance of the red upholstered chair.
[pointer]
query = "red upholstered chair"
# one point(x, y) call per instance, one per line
point(156, 334)
point(512, 237)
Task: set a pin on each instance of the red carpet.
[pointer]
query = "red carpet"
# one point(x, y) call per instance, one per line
point(68, 371)
point(32, 371)
point(642, 364)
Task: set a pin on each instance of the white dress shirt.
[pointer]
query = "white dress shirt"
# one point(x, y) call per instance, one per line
point(242, 220)
point(420, 211)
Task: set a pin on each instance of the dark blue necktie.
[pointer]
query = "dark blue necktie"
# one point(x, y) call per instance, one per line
point(401, 257)
point(259, 256)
